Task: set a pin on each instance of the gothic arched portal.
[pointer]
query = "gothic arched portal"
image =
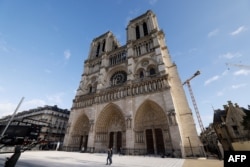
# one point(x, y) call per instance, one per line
point(110, 129)
point(151, 128)
point(80, 132)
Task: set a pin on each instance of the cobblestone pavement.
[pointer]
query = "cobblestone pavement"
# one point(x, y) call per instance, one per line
point(75, 159)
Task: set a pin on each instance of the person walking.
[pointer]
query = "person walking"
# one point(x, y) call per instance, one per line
point(111, 155)
point(120, 152)
point(109, 158)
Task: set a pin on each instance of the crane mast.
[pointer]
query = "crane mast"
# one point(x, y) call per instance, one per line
point(239, 65)
point(6, 127)
point(193, 100)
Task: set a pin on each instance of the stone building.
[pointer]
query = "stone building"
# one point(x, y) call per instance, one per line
point(228, 126)
point(210, 140)
point(131, 97)
point(51, 119)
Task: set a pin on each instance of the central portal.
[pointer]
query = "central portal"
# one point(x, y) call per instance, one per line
point(159, 141)
point(155, 137)
point(110, 128)
point(150, 141)
point(115, 140)
point(151, 124)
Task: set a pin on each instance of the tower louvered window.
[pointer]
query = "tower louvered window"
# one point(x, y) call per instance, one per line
point(145, 29)
point(137, 31)
point(103, 45)
point(141, 74)
point(98, 50)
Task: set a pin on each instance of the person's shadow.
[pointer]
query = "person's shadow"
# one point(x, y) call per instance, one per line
point(11, 162)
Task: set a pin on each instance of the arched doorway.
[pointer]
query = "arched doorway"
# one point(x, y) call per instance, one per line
point(151, 128)
point(80, 133)
point(110, 129)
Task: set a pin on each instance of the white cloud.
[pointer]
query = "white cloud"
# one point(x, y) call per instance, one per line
point(56, 99)
point(67, 54)
point(239, 86)
point(152, 2)
point(213, 33)
point(33, 103)
point(214, 78)
point(242, 72)
point(230, 55)
point(225, 73)
point(6, 108)
point(238, 30)
point(220, 93)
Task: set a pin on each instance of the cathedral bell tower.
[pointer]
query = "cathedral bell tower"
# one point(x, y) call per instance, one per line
point(131, 97)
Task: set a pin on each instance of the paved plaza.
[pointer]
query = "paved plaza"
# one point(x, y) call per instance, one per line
point(76, 159)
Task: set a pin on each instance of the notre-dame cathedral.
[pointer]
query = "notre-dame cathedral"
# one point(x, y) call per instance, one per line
point(131, 97)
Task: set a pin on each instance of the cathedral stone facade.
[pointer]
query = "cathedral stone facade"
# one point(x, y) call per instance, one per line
point(131, 97)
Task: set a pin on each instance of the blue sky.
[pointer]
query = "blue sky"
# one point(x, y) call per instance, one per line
point(43, 45)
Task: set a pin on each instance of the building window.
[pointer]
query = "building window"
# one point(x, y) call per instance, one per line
point(118, 78)
point(141, 74)
point(114, 46)
point(103, 45)
point(137, 31)
point(145, 29)
point(90, 89)
point(152, 71)
point(98, 50)
point(235, 129)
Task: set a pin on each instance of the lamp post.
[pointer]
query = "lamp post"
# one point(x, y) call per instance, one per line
point(190, 146)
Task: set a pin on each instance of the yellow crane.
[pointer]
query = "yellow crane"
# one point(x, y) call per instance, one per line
point(193, 100)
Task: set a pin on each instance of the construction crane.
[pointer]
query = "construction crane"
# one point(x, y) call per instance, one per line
point(12, 117)
point(239, 65)
point(193, 100)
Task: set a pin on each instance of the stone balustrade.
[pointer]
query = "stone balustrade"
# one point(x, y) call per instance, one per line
point(143, 86)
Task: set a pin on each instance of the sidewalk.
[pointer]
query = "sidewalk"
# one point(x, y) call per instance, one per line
point(76, 159)
point(203, 163)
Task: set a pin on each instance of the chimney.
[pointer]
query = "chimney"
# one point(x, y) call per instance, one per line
point(236, 105)
point(225, 107)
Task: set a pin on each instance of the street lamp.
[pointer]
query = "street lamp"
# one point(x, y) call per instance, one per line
point(190, 146)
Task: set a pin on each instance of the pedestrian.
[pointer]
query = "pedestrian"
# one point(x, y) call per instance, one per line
point(57, 146)
point(109, 158)
point(120, 153)
point(111, 155)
